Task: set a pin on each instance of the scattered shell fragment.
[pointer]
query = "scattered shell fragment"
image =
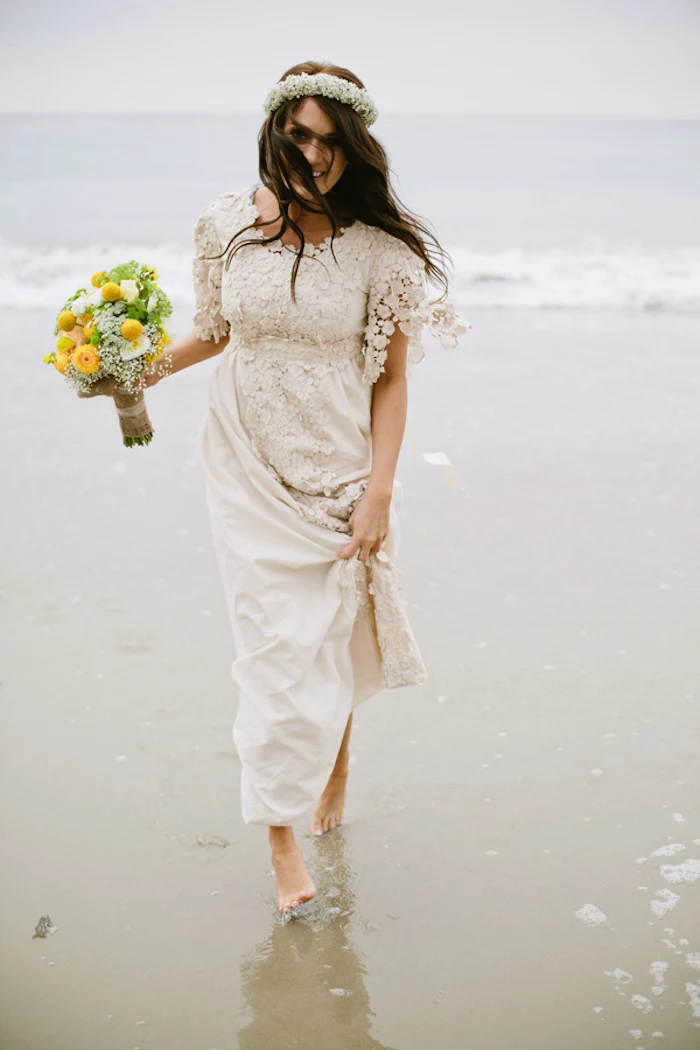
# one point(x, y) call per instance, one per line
point(43, 927)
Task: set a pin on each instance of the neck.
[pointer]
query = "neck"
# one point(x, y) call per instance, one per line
point(309, 214)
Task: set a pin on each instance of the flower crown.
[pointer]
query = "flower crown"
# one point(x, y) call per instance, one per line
point(298, 84)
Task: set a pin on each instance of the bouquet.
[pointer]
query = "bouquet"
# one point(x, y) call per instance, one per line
point(110, 336)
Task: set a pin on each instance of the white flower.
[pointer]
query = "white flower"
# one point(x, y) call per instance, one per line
point(130, 290)
point(298, 84)
point(152, 300)
point(78, 306)
point(445, 323)
point(95, 298)
point(136, 348)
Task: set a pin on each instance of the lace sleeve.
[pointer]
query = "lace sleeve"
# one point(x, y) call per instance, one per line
point(206, 274)
point(398, 295)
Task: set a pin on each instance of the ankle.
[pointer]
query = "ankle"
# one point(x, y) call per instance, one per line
point(278, 852)
point(281, 837)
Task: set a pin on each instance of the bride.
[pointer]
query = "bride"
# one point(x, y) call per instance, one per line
point(311, 286)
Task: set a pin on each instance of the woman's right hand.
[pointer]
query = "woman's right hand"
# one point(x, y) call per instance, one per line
point(185, 351)
point(156, 370)
point(150, 378)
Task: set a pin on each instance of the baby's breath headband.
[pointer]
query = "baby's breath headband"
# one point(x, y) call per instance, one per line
point(298, 84)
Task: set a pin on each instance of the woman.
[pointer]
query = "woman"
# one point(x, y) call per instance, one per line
point(312, 283)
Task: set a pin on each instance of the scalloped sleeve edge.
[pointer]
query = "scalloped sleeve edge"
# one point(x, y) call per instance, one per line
point(398, 296)
point(206, 277)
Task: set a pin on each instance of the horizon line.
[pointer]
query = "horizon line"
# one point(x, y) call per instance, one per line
point(388, 113)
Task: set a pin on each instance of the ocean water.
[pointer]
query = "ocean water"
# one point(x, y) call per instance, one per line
point(536, 212)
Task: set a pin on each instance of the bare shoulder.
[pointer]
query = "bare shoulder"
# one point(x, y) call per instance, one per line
point(267, 209)
point(265, 203)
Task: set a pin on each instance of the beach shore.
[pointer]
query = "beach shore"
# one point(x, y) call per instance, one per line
point(519, 861)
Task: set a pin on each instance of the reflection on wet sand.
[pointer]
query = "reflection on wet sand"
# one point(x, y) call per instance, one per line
point(304, 984)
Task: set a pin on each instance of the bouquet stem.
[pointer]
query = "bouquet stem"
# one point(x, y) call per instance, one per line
point(133, 417)
point(131, 409)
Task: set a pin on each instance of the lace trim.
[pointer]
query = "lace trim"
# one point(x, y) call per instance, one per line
point(398, 297)
point(375, 585)
point(331, 511)
point(401, 658)
point(207, 276)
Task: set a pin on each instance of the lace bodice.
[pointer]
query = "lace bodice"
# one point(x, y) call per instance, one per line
point(356, 300)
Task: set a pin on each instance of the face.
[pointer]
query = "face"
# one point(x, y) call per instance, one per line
point(308, 122)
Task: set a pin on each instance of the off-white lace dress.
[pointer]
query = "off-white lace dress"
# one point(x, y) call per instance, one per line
point(286, 448)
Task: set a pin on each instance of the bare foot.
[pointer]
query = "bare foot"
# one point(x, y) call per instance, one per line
point(294, 885)
point(328, 812)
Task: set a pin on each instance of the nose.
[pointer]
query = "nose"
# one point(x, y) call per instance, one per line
point(313, 153)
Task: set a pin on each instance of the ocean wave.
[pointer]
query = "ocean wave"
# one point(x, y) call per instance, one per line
point(589, 277)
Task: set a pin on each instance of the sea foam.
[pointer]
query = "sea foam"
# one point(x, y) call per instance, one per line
point(588, 277)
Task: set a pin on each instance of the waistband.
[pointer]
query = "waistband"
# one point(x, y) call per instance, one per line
point(333, 351)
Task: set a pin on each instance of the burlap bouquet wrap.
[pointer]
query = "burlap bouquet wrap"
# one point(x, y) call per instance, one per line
point(131, 409)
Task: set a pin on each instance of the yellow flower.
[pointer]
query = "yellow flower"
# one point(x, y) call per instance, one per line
point(66, 320)
point(131, 329)
point(85, 359)
point(64, 344)
point(111, 292)
point(96, 279)
point(61, 361)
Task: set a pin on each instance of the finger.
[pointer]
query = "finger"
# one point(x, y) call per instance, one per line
point(350, 549)
point(377, 545)
point(366, 551)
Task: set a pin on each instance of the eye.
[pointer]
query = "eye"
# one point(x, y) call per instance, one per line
point(297, 134)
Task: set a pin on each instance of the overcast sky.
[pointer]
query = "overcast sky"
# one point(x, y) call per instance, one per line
point(611, 57)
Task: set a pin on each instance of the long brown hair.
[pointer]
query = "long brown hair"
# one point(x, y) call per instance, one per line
point(363, 191)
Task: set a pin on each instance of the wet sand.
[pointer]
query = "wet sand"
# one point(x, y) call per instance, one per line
point(519, 865)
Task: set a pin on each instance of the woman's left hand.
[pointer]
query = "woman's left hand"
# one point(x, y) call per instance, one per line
point(370, 526)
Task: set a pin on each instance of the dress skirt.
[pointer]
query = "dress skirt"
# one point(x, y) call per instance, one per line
point(286, 450)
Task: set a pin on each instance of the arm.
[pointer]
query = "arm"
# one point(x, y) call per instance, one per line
point(389, 409)
point(370, 519)
point(189, 350)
